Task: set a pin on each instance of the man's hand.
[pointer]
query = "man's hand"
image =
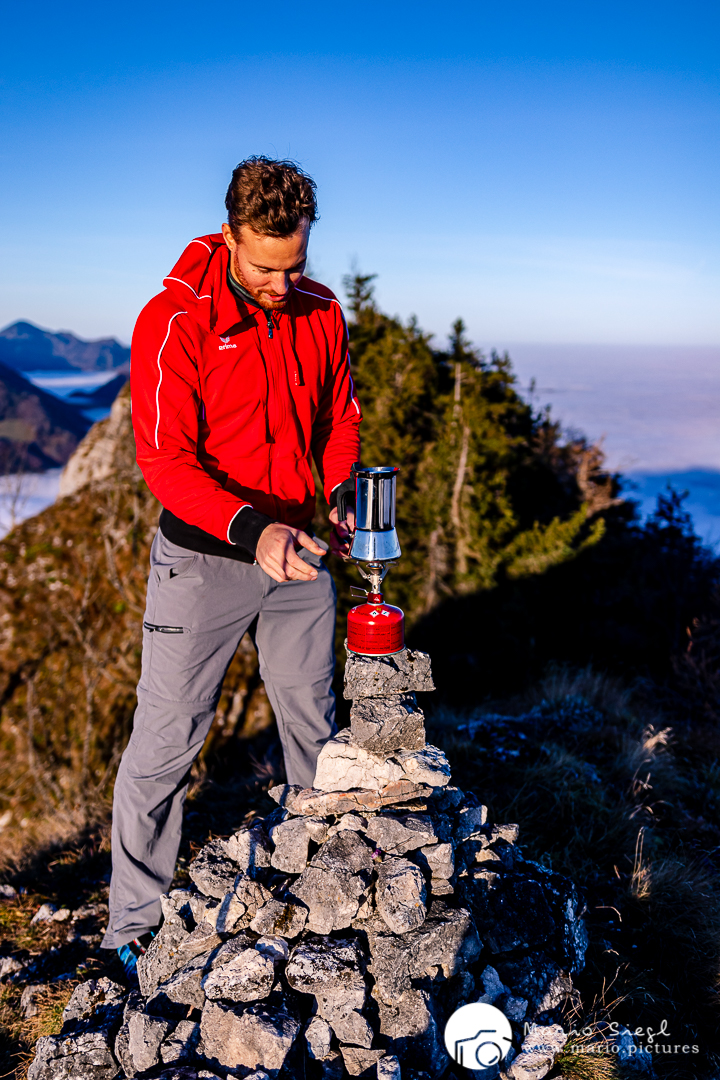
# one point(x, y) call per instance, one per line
point(276, 553)
point(341, 533)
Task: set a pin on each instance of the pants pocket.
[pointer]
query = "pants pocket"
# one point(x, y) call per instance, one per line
point(169, 560)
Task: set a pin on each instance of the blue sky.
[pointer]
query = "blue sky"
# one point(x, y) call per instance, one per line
point(547, 171)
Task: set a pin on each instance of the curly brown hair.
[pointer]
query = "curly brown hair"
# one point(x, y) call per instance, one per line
point(272, 197)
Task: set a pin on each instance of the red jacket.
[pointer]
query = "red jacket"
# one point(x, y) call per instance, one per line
point(228, 409)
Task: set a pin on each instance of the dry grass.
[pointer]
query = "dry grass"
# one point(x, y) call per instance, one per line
point(588, 1058)
point(611, 793)
point(24, 1033)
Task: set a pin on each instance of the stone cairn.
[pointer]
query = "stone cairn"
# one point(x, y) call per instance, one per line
point(335, 937)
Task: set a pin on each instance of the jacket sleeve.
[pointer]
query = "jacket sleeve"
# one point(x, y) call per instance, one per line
point(166, 413)
point(336, 430)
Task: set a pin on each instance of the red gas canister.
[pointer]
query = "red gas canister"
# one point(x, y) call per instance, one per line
point(375, 628)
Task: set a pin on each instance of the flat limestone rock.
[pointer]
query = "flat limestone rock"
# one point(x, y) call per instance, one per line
point(184, 987)
point(133, 1004)
point(90, 996)
point(427, 766)
point(386, 724)
point(202, 939)
point(346, 852)
point(145, 1034)
point(181, 1043)
point(275, 947)
point(231, 913)
point(317, 828)
point(400, 895)
point(351, 822)
point(285, 795)
point(318, 1036)
point(217, 915)
point(249, 976)
point(327, 803)
point(377, 676)
point(232, 947)
point(257, 1037)
point(172, 950)
point(415, 1036)
point(334, 883)
point(438, 860)
point(471, 823)
point(84, 1047)
point(161, 959)
point(213, 871)
point(88, 1054)
point(332, 899)
point(352, 1028)
point(251, 893)
point(397, 835)
point(447, 940)
point(292, 841)
point(282, 919)
point(408, 1017)
point(357, 1060)
point(249, 849)
point(330, 969)
point(342, 766)
point(241, 904)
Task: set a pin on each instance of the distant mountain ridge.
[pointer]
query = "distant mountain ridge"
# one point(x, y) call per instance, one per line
point(37, 430)
point(102, 396)
point(26, 347)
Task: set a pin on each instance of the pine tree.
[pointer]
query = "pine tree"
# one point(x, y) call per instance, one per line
point(473, 456)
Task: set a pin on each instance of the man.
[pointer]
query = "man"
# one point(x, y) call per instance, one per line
point(240, 375)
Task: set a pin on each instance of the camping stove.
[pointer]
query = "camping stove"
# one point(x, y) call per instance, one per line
point(374, 628)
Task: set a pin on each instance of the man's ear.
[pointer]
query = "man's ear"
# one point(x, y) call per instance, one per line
point(228, 236)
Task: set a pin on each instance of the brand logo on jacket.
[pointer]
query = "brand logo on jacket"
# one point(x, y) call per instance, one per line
point(225, 344)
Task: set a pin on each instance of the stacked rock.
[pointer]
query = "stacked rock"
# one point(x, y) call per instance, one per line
point(335, 937)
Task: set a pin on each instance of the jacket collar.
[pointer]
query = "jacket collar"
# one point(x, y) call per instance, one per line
point(199, 283)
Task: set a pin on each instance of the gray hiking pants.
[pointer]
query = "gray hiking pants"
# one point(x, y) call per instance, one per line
point(198, 608)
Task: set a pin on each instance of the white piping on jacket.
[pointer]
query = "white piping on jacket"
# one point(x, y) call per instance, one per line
point(245, 506)
point(196, 241)
point(157, 392)
point(206, 296)
point(342, 313)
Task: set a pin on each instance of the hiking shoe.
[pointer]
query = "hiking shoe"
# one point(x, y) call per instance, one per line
point(130, 954)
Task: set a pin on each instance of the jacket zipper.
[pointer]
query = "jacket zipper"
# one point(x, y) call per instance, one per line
point(272, 394)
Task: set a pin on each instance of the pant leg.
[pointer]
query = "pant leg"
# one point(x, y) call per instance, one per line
point(295, 644)
point(204, 604)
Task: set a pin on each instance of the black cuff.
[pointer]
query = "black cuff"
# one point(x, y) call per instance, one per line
point(246, 527)
point(347, 486)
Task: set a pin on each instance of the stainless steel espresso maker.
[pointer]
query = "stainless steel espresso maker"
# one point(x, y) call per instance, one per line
point(375, 537)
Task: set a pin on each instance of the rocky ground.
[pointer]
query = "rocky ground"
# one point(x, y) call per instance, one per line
point(335, 936)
